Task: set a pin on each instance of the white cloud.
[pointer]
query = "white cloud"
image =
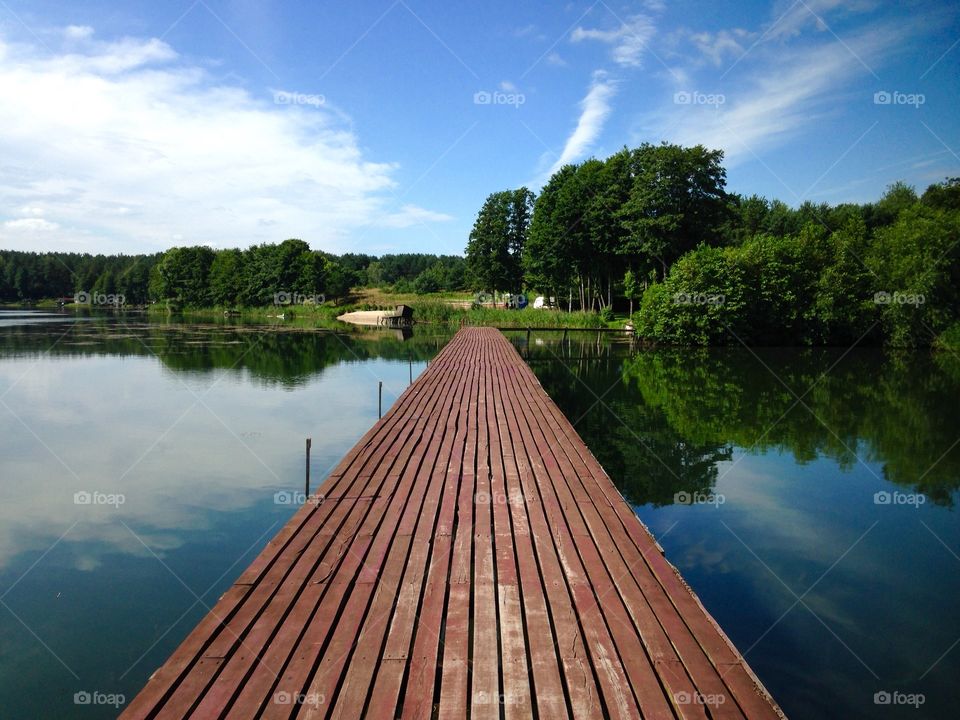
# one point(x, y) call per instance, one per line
point(508, 86)
point(556, 60)
point(525, 31)
point(31, 224)
point(115, 57)
point(78, 32)
point(628, 41)
point(126, 147)
point(594, 110)
point(720, 46)
point(410, 215)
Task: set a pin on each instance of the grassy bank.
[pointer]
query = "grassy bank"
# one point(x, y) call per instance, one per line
point(439, 312)
point(441, 309)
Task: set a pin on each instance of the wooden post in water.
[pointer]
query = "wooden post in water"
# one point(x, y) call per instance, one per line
point(306, 486)
point(410, 357)
point(380, 400)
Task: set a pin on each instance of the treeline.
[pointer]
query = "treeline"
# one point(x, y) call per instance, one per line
point(29, 276)
point(655, 226)
point(202, 277)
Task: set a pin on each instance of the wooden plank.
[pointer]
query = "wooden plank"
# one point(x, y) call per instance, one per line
point(368, 647)
point(243, 638)
point(485, 652)
point(549, 696)
point(427, 638)
point(471, 557)
point(698, 651)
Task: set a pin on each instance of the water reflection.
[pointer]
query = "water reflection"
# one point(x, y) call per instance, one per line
point(833, 590)
point(678, 412)
point(139, 465)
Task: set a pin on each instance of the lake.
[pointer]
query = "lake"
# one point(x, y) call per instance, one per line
point(807, 496)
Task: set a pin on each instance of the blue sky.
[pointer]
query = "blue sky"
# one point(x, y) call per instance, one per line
point(380, 126)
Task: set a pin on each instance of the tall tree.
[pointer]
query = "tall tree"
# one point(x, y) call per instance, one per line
point(677, 201)
point(496, 243)
point(548, 253)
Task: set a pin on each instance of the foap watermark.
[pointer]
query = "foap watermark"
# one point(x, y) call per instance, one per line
point(511, 300)
point(499, 97)
point(688, 298)
point(295, 298)
point(695, 97)
point(295, 497)
point(85, 497)
point(498, 498)
point(96, 697)
point(895, 697)
point(895, 97)
point(898, 298)
point(294, 698)
point(699, 498)
point(898, 498)
point(699, 698)
point(482, 697)
point(284, 97)
point(98, 298)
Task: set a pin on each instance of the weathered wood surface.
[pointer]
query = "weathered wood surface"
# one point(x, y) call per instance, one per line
point(468, 556)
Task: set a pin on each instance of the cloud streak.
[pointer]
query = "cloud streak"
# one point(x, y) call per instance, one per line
point(595, 108)
point(782, 91)
point(627, 42)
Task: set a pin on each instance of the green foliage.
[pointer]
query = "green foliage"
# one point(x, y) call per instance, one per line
point(677, 202)
point(949, 339)
point(182, 275)
point(870, 405)
point(916, 263)
point(833, 281)
point(546, 256)
point(642, 208)
point(943, 196)
point(234, 278)
point(28, 276)
point(428, 310)
point(497, 241)
point(430, 280)
point(702, 301)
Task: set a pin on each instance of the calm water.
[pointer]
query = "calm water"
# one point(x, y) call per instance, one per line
point(187, 441)
point(808, 497)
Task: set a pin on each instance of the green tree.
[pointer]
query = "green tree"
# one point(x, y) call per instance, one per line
point(496, 242)
point(677, 202)
point(430, 280)
point(631, 288)
point(182, 275)
point(226, 278)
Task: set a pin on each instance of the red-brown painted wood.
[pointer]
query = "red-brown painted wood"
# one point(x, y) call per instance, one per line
point(469, 555)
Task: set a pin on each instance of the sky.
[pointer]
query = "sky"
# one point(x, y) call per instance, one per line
point(380, 126)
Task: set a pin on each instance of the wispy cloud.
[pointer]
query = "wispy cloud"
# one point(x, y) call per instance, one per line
point(594, 110)
point(410, 215)
point(791, 17)
point(781, 91)
point(628, 41)
point(123, 146)
point(555, 59)
point(721, 46)
point(31, 224)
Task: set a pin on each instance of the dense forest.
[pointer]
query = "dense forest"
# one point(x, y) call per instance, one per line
point(202, 277)
point(655, 226)
point(651, 229)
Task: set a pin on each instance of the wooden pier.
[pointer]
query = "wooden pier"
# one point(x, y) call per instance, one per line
point(468, 558)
